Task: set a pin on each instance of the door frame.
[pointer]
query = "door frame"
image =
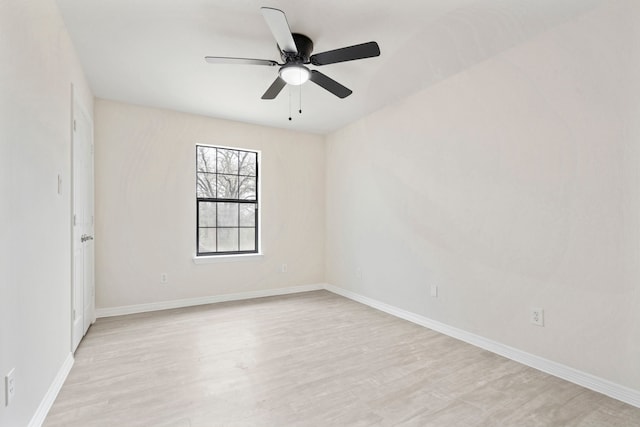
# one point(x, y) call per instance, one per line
point(77, 108)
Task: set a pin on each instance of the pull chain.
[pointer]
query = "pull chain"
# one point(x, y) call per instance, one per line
point(289, 102)
point(300, 102)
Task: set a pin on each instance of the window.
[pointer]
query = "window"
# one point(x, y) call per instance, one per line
point(227, 201)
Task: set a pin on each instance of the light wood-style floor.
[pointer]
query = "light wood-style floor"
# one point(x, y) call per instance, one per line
point(312, 359)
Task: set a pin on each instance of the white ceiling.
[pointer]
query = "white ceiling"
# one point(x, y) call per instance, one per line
point(151, 52)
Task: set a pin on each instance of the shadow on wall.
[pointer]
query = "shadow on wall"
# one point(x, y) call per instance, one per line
point(465, 37)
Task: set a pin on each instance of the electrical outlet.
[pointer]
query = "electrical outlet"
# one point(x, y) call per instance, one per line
point(164, 278)
point(283, 268)
point(434, 291)
point(10, 386)
point(537, 316)
point(359, 273)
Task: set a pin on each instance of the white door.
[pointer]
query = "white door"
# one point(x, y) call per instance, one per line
point(83, 289)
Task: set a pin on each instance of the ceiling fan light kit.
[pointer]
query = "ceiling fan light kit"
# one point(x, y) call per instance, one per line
point(294, 74)
point(295, 50)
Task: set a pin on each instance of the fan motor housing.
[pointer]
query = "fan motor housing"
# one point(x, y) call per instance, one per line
point(305, 47)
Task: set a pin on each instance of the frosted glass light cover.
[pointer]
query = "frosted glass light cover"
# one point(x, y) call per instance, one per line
point(294, 74)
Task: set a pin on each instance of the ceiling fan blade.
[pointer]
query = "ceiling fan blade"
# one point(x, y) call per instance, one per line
point(274, 89)
point(358, 51)
point(329, 84)
point(240, 61)
point(277, 22)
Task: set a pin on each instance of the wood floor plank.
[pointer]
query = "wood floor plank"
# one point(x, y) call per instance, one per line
point(311, 359)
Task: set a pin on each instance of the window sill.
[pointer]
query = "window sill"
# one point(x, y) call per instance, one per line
point(226, 258)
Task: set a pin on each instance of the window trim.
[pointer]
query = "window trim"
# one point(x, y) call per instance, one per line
point(213, 259)
point(206, 257)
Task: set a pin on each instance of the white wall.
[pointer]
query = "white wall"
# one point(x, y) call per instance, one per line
point(38, 66)
point(145, 206)
point(510, 185)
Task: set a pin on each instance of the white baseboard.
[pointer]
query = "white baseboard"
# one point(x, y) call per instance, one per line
point(165, 305)
point(52, 393)
point(575, 376)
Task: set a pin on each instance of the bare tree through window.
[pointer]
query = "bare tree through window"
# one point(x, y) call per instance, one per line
point(227, 200)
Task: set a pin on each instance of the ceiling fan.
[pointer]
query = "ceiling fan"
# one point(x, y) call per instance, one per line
point(295, 50)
